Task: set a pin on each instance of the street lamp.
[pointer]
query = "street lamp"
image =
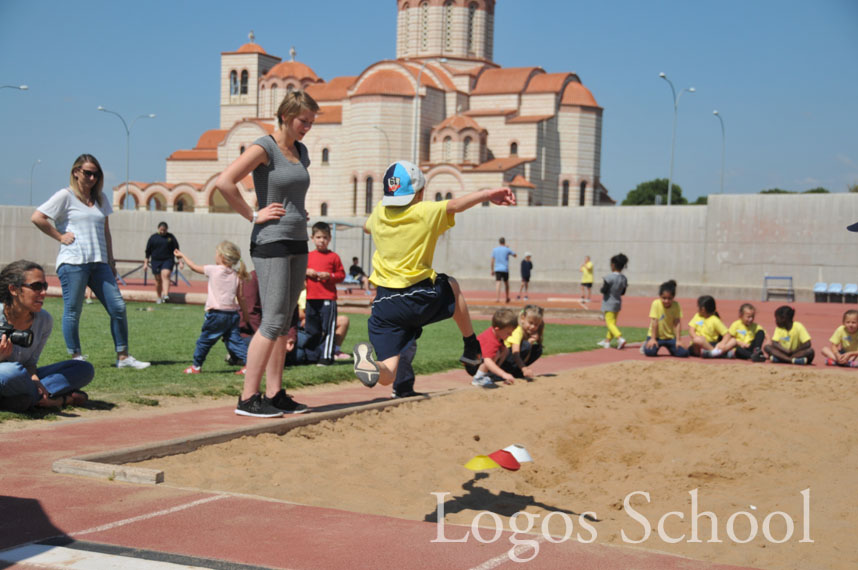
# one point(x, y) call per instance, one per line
point(416, 145)
point(20, 87)
point(127, 143)
point(38, 161)
point(386, 141)
point(673, 141)
point(723, 146)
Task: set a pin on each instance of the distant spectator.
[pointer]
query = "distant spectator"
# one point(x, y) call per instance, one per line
point(357, 276)
point(159, 256)
point(500, 267)
point(526, 267)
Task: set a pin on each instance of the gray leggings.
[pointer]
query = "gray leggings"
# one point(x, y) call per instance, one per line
point(281, 280)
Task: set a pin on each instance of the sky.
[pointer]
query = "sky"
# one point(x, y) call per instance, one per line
point(783, 75)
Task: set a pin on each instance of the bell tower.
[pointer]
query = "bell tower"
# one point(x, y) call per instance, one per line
point(240, 72)
point(453, 29)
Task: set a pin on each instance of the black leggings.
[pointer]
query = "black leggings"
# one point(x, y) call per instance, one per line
point(757, 343)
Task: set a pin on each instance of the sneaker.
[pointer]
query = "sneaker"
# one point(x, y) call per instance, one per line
point(757, 356)
point(829, 362)
point(774, 358)
point(621, 342)
point(406, 394)
point(484, 381)
point(193, 370)
point(131, 362)
point(256, 407)
point(242, 372)
point(233, 361)
point(165, 299)
point(82, 357)
point(284, 402)
point(342, 357)
point(88, 301)
point(324, 362)
point(731, 354)
point(643, 349)
point(800, 361)
point(159, 301)
point(706, 354)
point(526, 298)
point(365, 367)
point(604, 343)
point(472, 356)
point(853, 364)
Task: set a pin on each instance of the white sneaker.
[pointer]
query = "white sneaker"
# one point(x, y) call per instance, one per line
point(131, 362)
point(483, 381)
point(604, 343)
point(621, 342)
point(80, 357)
point(643, 349)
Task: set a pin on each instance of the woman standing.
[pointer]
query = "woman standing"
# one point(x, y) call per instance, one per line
point(23, 384)
point(79, 214)
point(278, 246)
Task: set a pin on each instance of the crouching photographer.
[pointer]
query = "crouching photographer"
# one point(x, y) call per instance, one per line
point(24, 330)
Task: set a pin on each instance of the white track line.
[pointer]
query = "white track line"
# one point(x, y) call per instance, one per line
point(170, 511)
point(59, 557)
point(504, 558)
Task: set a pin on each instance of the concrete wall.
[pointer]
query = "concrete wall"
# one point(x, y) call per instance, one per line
point(724, 249)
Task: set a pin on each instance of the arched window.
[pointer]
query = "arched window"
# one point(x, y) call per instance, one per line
point(290, 88)
point(447, 149)
point(368, 202)
point(244, 76)
point(513, 149)
point(324, 208)
point(403, 27)
point(564, 199)
point(582, 196)
point(325, 155)
point(448, 196)
point(233, 82)
point(467, 150)
point(472, 14)
point(424, 26)
point(448, 25)
point(438, 197)
point(241, 149)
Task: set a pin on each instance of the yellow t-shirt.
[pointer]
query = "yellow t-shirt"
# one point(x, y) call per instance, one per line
point(405, 239)
point(846, 341)
point(587, 272)
point(302, 300)
point(667, 319)
point(743, 333)
point(709, 328)
point(793, 338)
point(515, 338)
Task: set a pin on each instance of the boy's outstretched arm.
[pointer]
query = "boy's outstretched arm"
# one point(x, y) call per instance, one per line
point(499, 196)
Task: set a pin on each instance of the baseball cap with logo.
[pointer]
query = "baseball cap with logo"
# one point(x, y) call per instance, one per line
point(402, 181)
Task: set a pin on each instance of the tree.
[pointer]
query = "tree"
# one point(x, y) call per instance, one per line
point(853, 187)
point(776, 191)
point(819, 190)
point(645, 193)
point(701, 201)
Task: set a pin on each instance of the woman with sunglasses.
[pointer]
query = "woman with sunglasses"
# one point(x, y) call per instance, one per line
point(23, 384)
point(77, 218)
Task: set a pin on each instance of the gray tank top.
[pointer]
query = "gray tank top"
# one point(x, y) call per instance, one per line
point(281, 180)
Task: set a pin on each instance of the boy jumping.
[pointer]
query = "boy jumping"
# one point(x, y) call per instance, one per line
point(410, 294)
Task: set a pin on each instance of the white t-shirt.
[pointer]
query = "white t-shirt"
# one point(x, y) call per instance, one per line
point(85, 222)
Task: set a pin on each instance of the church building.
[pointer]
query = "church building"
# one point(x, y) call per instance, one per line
point(442, 103)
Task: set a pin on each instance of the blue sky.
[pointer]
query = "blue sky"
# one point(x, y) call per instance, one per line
point(782, 73)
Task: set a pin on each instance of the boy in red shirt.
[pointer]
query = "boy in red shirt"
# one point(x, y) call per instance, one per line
point(493, 349)
point(324, 271)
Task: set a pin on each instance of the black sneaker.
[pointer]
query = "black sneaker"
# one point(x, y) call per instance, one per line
point(366, 368)
point(286, 404)
point(406, 394)
point(757, 356)
point(472, 357)
point(258, 407)
point(324, 362)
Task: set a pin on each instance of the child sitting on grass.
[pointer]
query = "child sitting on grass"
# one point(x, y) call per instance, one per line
point(525, 342)
point(706, 329)
point(494, 352)
point(223, 301)
point(410, 294)
point(744, 337)
point(791, 341)
point(844, 343)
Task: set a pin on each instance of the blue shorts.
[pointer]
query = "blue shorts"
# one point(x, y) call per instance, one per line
point(159, 265)
point(399, 315)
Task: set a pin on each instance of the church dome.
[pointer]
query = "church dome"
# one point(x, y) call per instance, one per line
point(251, 48)
point(576, 94)
point(294, 69)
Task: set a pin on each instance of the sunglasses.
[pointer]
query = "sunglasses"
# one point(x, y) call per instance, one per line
point(91, 173)
point(37, 286)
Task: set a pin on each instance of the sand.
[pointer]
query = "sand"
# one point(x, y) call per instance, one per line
point(741, 438)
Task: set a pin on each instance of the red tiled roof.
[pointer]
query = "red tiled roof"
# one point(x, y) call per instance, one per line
point(330, 115)
point(547, 83)
point(251, 48)
point(489, 112)
point(502, 164)
point(211, 139)
point(334, 90)
point(576, 94)
point(459, 123)
point(425, 78)
point(386, 82)
point(292, 69)
point(265, 124)
point(193, 155)
point(521, 182)
point(528, 118)
point(498, 81)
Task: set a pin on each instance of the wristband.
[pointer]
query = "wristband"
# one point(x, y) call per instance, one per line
point(253, 220)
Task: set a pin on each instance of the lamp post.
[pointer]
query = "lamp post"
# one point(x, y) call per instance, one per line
point(38, 161)
point(127, 144)
point(19, 87)
point(723, 146)
point(416, 145)
point(673, 141)
point(386, 142)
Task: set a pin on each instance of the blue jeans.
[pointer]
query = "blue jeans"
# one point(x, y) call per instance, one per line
point(99, 277)
point(18, 392)
point(220, 324)
point(671, 345)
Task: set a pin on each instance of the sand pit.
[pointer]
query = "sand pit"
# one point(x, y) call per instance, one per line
point(751, 439)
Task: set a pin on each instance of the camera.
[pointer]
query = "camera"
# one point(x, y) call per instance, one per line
point(21, 338)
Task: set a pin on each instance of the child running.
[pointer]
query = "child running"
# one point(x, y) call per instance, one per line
point(494, 351)
point(665, 327)
point(745, 337)
point(525, 342)
point(706, 329)
point(410, 294)
point(613, 288)
point(844, 343)
point(791, 341)
point(223, 301)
